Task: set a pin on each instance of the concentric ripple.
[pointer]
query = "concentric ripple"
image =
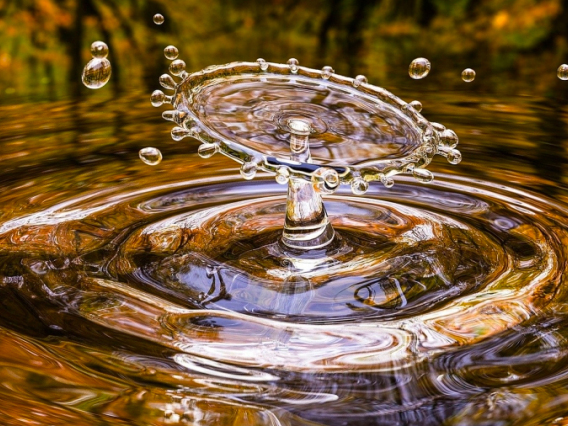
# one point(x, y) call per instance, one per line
point(198, 268)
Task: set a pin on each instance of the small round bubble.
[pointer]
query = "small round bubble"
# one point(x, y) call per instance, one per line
point(282, 175)
point(562, 72)
point(157, 98)
point(416, 105)
point(359, 186)
point(388, 182)
point(171, 52)
point(262, 64)
point(326, 72)
point(423, 175)
point(167, 82)
point(360, 79)
point(151, 156)
point(96, 73)
point(468, 75)
point(158, 19)
point(177, 67)
point(206, 150)
point(454, 156)
point(99, 50)
point(248, 170)
point(449, 138)
point(419, 68)
point(293, 64)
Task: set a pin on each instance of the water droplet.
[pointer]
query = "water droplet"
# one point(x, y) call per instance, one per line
point(449, 138)
point(157, 98)
point(262, 63)
point(158, 19)
point(416, 105)
point(171, 52)
point(454, 156)
point(387, 182)
point(178, 133)
point(423, 175)
point(439, 127)
point(207, 150)
point(177, 67)
point(360, 79)
point(167, 82)
point(99, 50)
point(174, 115)
point(326, 72)
point(468, 75)
point(359, 186)
point(248, 170)
point(293, 64)
point(419, 68)
point(150, 156)
point(562, 72)
point(96, 73)
point(325, 180)
point(282, 175)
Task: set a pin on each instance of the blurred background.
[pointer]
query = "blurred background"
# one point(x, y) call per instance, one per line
point(514, 45)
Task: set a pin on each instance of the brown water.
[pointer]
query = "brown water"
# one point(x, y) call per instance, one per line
point(124, 302)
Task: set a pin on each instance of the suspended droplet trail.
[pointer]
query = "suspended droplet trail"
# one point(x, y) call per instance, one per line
point(98, 70)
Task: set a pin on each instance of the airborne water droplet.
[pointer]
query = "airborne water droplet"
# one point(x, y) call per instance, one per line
point(177, 67)
point(419, 68)
point(151, 156)
point(468, 75)
point(562, 72)
point(158, 19)
point(171, 52)
point(96, 73)
point(157, 98)
point(99, 50)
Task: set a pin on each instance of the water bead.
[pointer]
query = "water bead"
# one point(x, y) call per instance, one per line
point(293, 64)
point(359, 186)
point(178, 133)
point(262, 64)
point(326, 72)
point(423, 175)
point(388, 182)
point(99, 50)
point(360, 79)
point(325, 180)
point(158, 19)
point(437, 126)
point(171, 52)
point(449, 138)
point(207, 150)
point(157, 98)
point(96, 73)
point(177, 67)
point(151, 156)
point(562, 72)
point(167, 82)
point(282, 175)
point(454, 156)
point(468, 75)
point(416, 105)
point(174, 115)
point(248, 170)
point(419, 68)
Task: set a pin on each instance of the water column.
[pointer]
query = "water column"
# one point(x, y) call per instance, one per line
point(307, 225)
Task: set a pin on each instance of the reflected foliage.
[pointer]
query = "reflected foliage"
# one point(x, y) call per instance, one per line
point(45, 43)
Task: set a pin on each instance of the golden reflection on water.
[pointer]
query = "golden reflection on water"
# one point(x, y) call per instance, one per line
point(85, 340)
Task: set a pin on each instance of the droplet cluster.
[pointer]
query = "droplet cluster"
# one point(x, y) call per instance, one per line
point(98, 70)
